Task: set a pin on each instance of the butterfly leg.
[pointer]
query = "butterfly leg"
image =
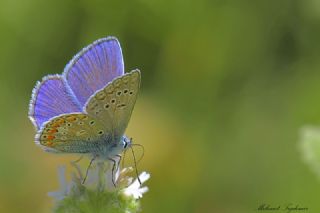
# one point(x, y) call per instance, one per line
point(74, 164)
point(84, 180)
point(112, 171)
point(118, 164)
point(79, 159)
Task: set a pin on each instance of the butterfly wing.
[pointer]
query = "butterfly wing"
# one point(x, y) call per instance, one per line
point(113, 104)
point(94, 67)
point(72, 133)
point(89, 71)
point(50, 98)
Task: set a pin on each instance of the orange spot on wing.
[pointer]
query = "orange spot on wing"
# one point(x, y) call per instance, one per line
point(71, 118)
point(50, 137)
point(51, 131)
point(60, 121)
point(55, 125)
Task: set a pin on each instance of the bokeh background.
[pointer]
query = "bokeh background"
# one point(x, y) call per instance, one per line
point(226, 86)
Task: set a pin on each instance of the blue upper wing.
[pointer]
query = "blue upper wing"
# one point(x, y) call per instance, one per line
point(93, 67)
point(90, 70)
point(50, 98)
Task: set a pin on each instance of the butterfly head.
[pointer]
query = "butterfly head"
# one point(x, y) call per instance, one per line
point(126, 142)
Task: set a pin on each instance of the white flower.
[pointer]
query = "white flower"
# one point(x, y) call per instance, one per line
point(101, 177)
point(135, 189)
point(125, 182)
point(65, 187)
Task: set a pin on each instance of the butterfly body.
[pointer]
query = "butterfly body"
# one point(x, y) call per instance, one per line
point(87, 109)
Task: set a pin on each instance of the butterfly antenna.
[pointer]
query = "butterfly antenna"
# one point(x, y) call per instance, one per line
point(142, 151)
point(135, 165)
point(87, 172)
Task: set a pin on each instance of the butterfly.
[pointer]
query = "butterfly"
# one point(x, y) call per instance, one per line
point(87, 108)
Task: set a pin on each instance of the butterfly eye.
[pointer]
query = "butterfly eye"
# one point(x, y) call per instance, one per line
point(131, 92)
point(92, 122)
point(125, 144)
point(106, 106)
point(69, 124)
point(100, 132)
point(113, 101)
point(80, 123)
point(125, 91)
point(118, 93)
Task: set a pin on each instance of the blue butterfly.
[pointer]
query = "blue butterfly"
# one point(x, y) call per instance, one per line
point(88, 107)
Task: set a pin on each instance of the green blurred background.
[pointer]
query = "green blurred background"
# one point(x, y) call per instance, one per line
point(226, 86)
